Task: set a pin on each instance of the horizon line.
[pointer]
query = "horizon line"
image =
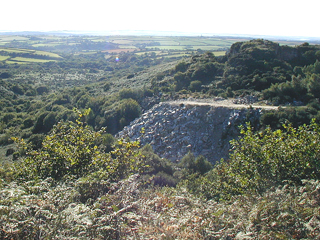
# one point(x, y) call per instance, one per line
point(159, 33)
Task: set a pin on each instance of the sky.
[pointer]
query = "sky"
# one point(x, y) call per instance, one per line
point(272, 17)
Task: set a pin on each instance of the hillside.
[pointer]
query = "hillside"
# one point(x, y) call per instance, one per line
point(272, 73)
point(35, 97)
point(68, 174)
point(248, 67)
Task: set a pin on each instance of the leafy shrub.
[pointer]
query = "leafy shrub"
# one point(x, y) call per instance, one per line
point(8, 117)
point(182, 81)
point(181, 66)
point(129, 93)
point(195, 165)
point(206, 72)
point(163, 179)
point(83, 101)
point(107, 141)
point(195, 86)
point(44, 122)
point(18, 89)
point(264, 159)
point(106, 87)
point(71, 150)
point(27, 123)
point(6, 137)
point(91, 187)
point(155, 163)
point(36, 141)
point(269, 157)
point(42, 89)
point(5, 75)
point(313, 85)
point(129, 110)
point(296, 115)
point(61, 99)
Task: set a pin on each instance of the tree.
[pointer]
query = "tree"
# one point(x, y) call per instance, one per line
point(49, 121)
point(129, 110)
point(313, 85)
point(41, 90)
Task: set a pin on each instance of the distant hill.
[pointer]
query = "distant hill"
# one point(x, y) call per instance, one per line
point(274, 73)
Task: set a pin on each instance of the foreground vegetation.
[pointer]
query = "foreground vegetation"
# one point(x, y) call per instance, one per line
point(72, 187)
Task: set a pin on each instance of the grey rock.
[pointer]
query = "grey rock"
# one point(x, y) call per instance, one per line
point(174, 130)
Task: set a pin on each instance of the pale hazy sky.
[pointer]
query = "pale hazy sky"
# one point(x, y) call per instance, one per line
point(269, 17)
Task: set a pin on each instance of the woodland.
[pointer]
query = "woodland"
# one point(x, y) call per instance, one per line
point(64, 174)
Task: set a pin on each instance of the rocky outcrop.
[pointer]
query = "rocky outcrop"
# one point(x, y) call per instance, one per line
point(266, 49)
point(174, 129)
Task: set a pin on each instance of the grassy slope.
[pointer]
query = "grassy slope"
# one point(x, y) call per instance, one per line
point(34, 56)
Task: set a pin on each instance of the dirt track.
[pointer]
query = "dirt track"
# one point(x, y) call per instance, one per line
point(222, 103)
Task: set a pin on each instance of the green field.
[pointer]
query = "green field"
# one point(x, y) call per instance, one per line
point(14, 50)
point(45, 44)
point(219, 53)
point(25, 56)
point(168, 43)
point(49, 54)
point(8, 38)
point(127, 46)
point(3, 58)
point(22, 59)
point(44, 48)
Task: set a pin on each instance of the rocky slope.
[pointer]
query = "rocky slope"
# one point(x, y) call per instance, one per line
point(175, 128)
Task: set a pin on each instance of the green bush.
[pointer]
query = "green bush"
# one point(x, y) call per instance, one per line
point(181, 66)
point(71, 150)
point(126, 93)
point(155, 163)
point(195, 86)
point(106, 87)
point(44, 122)
point(192, 165)
point(129, 110)
point(182, 81)
point(163, 179)
point(264, 159)
point(269, 157)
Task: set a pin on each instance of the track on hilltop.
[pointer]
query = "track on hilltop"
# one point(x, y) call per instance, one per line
point(228, 103)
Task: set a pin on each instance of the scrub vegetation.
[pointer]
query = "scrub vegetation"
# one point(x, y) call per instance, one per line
point(65, 175)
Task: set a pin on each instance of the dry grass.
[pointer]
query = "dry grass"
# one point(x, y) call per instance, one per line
point(129, 210)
